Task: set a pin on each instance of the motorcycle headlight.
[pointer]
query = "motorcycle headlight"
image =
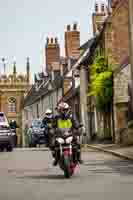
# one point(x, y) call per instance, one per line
point(69, 140)
point(60, 140)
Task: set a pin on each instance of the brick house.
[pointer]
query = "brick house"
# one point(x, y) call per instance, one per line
point(115, 42)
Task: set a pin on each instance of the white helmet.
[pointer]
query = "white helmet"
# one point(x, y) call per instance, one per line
point(63, 106)
point(66, 106)
point(48, 113)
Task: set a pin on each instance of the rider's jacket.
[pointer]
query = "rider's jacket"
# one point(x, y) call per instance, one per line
point(67, 121)
point(48, 122)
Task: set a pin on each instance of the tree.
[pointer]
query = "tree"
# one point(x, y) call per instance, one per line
point(101, 88)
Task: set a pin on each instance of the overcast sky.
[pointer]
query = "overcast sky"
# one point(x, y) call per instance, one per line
point(24, 25)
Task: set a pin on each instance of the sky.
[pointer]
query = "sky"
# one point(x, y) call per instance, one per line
point(25, 24)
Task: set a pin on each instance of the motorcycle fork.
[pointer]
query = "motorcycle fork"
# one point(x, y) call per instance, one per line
point(70, 149)
point(61, 150)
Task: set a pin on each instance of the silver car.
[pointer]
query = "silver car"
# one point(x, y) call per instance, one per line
point(6, 139)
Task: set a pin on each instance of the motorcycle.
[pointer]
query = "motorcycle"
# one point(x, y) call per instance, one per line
point(66, 152)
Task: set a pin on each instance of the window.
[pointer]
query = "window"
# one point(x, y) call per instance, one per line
point(12, 105)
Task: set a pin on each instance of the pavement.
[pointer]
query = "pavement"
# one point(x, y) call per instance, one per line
point(125, 152)
point(27, 174)
point(116, 150)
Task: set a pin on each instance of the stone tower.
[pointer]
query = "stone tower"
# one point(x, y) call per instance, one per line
point(72, 42)
point(52, 52)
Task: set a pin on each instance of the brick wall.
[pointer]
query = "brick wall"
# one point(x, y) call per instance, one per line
point(117, 35)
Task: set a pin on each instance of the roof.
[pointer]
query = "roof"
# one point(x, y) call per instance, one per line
point(86, 54)
point(87, 44)
point(35, 94)
point(70, 94)
point(87, 57)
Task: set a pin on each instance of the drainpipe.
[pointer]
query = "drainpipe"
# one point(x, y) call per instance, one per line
point(130, 9)
point(83, 101)
point(112, 110)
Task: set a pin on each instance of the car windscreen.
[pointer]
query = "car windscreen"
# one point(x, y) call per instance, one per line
point(4, 127)
point(37, 123)
point(2, 117)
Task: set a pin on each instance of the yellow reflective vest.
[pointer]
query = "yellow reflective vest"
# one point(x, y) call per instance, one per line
point(64, 123)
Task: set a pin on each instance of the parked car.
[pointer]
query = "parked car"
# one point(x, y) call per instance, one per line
point(6, 139)
point(36, 133)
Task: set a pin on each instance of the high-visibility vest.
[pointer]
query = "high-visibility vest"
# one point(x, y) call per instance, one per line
point(64, 123)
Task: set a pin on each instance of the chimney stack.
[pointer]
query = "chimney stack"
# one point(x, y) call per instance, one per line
point(72, 41)
point(98, 17)
point(52, 52)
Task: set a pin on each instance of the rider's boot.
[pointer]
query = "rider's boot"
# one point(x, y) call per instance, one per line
point(79, 157)
point(55, 162)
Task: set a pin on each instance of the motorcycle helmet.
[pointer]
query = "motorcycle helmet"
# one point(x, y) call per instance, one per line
point(63, 108)
point(48, 113)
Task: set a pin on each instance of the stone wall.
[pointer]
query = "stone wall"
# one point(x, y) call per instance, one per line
point(121, 81)
point(121, 102)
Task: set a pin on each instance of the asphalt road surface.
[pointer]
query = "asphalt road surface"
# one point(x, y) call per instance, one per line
point(29, 175)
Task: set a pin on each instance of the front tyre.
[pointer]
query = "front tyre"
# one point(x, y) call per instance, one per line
point(9, 148)
point(67, 167)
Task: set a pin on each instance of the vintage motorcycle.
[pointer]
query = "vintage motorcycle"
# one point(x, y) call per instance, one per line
point(66, 151)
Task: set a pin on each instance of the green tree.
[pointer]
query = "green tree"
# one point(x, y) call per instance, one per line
point(101, 87)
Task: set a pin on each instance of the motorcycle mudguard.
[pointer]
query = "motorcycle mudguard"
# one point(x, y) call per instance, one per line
point(66, 152)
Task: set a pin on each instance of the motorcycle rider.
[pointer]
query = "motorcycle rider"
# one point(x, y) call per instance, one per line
point(48, 124)
point(64, 119)
point(14, 126)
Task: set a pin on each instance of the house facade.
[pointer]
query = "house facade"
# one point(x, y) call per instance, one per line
point(13, 89)
point(40, 98)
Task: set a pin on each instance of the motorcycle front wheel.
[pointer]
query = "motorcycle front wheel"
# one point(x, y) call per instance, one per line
point(67, 167)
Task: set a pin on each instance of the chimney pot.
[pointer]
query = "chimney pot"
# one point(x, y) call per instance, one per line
point(47, 40)
point(75, 27)
point(96, 8)
point(102, 7)
point(52, 40)
point(56, 40)
point(68, 27)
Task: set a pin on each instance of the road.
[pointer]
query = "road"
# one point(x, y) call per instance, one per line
point(29, 175)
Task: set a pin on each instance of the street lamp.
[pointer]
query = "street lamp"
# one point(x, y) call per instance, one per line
point(50, 89)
